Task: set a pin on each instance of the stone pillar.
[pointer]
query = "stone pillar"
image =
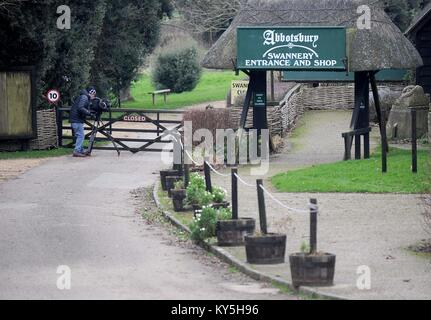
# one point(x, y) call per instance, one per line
point(399, 123)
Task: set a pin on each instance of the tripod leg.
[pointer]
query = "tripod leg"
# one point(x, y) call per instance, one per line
point(92, 138)
point(110, 138)
point(113, 142)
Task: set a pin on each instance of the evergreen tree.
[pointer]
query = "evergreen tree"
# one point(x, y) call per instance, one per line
point(106, 43)
point(130, 32)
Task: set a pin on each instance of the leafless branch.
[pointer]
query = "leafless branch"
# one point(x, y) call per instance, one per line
point(208, 15)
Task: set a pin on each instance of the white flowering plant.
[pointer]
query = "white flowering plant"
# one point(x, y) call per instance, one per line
point(196, 191)
point(203, 226)
point(219, 195)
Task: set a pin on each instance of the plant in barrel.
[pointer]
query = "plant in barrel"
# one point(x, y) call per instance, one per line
point(203, 225)
point(264, 248)
point(231, 232)
point(179, 193)
point(310, 267)
point(197, 196)
point(219, 198)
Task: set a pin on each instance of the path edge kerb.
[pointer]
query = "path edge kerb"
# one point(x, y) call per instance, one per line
point(233, 261)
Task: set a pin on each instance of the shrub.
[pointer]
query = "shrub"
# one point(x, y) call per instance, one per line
point(177, 69)
point(219, 195)
point(211, 119)
point(203, 226)
point(179, 185)
point(196, 191)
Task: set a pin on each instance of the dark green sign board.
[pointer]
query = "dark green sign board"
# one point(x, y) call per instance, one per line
point(393, 75)
point(260, 100)
point(291, 48)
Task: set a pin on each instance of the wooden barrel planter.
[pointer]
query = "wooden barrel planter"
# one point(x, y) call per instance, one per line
point(266, 249)
point(170, 183)
point(231, 233)
point(221, 205)
point(313, 270)
point(166, 173)
point(178, 197)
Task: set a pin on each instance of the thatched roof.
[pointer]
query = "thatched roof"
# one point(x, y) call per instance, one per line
point(417, 20)
point(382, 47)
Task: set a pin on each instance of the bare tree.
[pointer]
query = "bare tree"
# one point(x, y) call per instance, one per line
point(6, 5)
point(208, 15)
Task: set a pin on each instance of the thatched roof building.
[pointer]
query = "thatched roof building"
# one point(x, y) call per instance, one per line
point(382, 47)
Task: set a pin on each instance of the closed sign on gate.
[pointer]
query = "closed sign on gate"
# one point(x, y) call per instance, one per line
point(134, 118)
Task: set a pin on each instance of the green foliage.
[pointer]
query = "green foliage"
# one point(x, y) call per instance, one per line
point(361, 176)
point(219, 195)
point(179, 185)
point(224, 214)
point(35, 154)
point(398, 11)
point(305, 247)
point(203, 226)
point(402, 12)
point(177, 69)
point(196, 189)
point(106, 44)
point(213, 86)
point(129, 33)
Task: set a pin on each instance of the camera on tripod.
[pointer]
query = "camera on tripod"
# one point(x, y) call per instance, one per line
point(98, 106)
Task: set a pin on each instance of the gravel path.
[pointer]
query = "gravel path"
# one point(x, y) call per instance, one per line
point(79, 213)
point(10, 169)
point(362, 229)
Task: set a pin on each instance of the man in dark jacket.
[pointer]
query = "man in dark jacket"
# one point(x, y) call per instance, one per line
point(78, 113)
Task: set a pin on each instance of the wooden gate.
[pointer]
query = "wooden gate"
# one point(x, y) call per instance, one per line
point(133, 130)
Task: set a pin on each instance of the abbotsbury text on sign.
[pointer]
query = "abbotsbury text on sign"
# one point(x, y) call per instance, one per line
point(291, 48)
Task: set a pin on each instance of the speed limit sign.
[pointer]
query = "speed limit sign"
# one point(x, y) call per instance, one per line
point(53, 96)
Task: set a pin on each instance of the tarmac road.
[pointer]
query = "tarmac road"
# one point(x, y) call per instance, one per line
point(79, 213)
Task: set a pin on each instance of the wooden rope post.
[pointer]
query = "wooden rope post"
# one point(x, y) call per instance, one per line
point(262, 209)
point(357, 147)
point(313, 226)
point(384, 143)
point(207, 171)
point(414, 141)
point(186, 175)
point(60, 126)
point(234, 184)
point(178, 157)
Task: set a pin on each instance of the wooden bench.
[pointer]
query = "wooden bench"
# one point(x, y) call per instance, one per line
point(348, 141)
point(164, 92)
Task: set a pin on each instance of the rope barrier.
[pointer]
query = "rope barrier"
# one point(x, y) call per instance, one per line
point(282, 204)
point(215, 171)
point(311, 206)
point(185, 151)
point(243, 182)
point(191, 158)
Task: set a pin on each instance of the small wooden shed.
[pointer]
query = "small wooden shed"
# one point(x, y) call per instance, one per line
point(420, 33)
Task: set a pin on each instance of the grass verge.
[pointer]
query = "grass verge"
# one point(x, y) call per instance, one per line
point(363, 176)
point(213, 86)
point(37, 154)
